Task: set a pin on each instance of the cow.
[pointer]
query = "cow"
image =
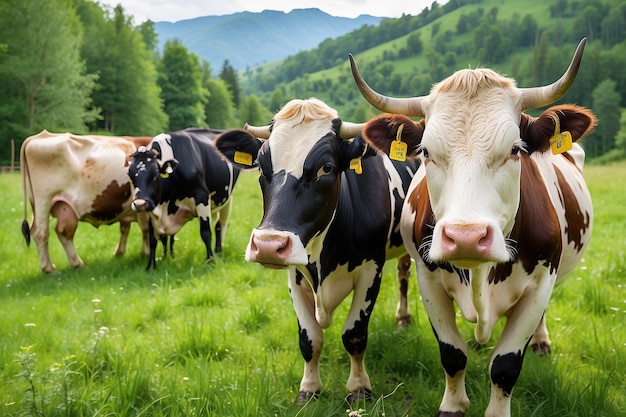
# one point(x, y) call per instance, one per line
point(496, 215)
point(76, 177)
point(180, 176)
point(331, 210)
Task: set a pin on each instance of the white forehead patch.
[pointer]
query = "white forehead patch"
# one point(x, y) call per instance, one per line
point(290, 144)
point(165, 142)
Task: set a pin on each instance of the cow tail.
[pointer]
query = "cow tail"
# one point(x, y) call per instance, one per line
point(25, 174)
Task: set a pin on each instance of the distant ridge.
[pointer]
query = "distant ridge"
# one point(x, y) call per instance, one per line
point(246, 39)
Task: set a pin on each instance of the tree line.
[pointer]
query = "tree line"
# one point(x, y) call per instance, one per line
point(74, 65)
point(536, 55)
point(78, 66)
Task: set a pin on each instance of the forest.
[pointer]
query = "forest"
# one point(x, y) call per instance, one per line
point(78, 66)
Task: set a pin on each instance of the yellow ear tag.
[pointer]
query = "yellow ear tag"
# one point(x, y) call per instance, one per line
point(165, 175)
point(355, 164)
point(560, 141)
point(397, 150)
point(243, 158)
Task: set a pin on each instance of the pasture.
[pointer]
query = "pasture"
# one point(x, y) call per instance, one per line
point(220, 339)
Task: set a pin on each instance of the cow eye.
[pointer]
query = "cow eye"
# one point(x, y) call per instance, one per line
point(515, 150)
point(425, 153)
point(324, 170)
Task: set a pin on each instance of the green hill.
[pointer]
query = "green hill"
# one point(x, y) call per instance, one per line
point(529, 40)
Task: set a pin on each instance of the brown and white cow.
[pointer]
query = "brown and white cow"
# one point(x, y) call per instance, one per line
point(493, 217)
point(72, 178)
point(331, 212)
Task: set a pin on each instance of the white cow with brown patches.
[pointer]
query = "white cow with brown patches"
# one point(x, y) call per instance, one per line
point(493, 218)
point(77, 177)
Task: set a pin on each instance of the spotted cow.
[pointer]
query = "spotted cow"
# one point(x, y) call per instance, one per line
point(496, 215)
point(331, 210)
point(76, 177)
point(180, 176)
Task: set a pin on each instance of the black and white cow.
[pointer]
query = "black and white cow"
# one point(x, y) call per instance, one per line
point(331, 209)
point(178, 177)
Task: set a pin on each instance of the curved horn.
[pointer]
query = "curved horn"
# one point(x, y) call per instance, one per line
point(348, 130)
point(406, 106)
point(542, 96)
point(262, 132)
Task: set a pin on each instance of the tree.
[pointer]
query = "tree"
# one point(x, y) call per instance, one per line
point(127, 94)
point(43, 81)
point(219, 111)
point(606, 106)
point(229, 75)
point(620, 138)
point(180, 79)
point(253, 112)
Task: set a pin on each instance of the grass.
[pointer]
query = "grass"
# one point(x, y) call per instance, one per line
point(220, 339)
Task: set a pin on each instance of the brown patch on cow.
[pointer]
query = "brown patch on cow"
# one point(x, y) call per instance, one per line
point(537, 231)
point(424, 217)
point(577, 222)
point(106, 206)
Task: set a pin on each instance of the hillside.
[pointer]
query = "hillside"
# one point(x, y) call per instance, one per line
point(246, 39)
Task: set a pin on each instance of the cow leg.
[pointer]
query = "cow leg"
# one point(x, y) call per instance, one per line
point(506, 362)
point(142, 221)
point(39, 232)
point(124, 231)
point(67, 223)
point(452, 349)
point(153, 246)
point(403, 312)
point(311, 336)
point(355, 335)
point(204, 215)
point(222, 224)
point(540, 342)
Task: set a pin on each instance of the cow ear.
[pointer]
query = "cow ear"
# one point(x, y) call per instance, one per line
point(382, 131)
point(537, 132)
point(239, 147)
point(167, 167)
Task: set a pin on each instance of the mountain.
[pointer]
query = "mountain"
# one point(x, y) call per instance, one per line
point(246, 39)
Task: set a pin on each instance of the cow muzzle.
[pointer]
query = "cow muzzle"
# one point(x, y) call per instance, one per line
point(275, 249)
point(468, 245)
point(141, 205)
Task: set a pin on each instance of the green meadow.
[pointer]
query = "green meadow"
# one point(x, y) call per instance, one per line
point(221, 338)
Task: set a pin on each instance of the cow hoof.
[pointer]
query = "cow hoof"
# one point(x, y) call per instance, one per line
point(541, 348)
point(360, 394)
point(404, 321)
point(305, 396)
point(451, 414)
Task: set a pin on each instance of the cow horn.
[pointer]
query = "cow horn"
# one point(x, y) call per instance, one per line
point(262, 132)
point(542, 96)
point(407, 106)
point(348, 130)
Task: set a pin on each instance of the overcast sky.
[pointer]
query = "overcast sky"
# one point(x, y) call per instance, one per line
point(175, 10)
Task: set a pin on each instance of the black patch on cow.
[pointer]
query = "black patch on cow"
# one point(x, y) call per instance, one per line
point(453, 359)
point(355, 339)
point(306, 345)
point(506, 369)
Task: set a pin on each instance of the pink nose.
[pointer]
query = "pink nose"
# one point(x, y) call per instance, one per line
point(270, 250)
point(467, 241)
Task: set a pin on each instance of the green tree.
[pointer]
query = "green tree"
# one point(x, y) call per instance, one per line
point(43, 81)
point(219, 111)
point(252, 111)
point(127, 91)
point(606, 106)
point(180, 79)
point(277, 100)
point(229, 75)
point(620, 138)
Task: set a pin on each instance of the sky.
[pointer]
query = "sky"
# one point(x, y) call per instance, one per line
point(175, 10)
